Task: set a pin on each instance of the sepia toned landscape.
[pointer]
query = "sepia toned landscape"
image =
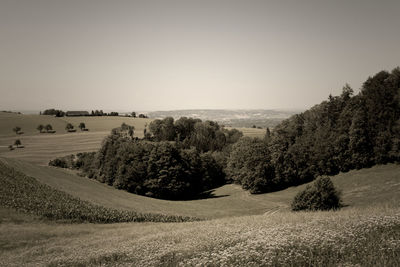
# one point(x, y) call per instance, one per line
point(199, 133)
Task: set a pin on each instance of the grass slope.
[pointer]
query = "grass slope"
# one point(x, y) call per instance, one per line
point(366, 187)
point(229, 200)
point(26, 194)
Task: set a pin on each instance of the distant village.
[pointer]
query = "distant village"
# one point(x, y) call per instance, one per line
point(80, 113)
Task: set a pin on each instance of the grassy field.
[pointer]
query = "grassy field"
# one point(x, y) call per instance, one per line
point(251, 132)
point(353, 237)
point(29, 123)
point(40, 148)
point(364, 233)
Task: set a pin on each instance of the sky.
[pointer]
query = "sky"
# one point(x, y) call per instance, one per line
point(166, 55)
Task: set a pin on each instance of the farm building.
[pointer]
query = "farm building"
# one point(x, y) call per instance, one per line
point(77, 113)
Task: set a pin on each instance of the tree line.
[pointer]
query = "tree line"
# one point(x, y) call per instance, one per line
point(343, 133)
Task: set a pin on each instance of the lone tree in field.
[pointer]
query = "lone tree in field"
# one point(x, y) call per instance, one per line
point(40, 128)
point(82, 126)
point(131, 131)
point(17, 143)
point(17, 129)
point(321, 195)
point(69, 127)
point(10, 147)
point(48, 127)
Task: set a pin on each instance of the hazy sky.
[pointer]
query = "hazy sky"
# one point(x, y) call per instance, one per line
point(161, 55)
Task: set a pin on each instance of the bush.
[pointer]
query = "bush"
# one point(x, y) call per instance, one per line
point(321, 195)
point(59, 162)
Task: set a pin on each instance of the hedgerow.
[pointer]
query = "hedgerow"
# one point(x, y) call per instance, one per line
point(26, 194)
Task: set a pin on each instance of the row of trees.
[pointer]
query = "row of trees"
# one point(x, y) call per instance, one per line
point(343, 133)
point(45, 128)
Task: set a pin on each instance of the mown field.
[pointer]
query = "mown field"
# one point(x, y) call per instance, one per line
point(29, 123)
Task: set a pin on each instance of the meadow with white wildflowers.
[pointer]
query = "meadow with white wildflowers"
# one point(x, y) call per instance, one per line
point(351, 237)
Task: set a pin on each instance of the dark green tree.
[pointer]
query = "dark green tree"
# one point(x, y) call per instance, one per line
point(69, 127)
point(17, 129)
point(48, 127)
point(17, 143)
point(40, 128)
point(82, 126)
point(321, 195)
point(249, 165)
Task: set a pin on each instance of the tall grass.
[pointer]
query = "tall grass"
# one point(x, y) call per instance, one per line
point(368, 237)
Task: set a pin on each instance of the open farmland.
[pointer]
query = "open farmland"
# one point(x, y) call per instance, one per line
point(40, 148)
point(29, 123)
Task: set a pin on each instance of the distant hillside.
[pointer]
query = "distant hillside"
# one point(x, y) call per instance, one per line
point(234, 118)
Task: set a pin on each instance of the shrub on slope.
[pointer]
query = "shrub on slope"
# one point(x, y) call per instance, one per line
point(25, 194)
point(321, 195)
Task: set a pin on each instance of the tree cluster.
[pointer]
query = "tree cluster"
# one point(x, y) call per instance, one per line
point(156, 169)
point(343, 133)
point(53, 112)
point(168, 165)
point(188, 132)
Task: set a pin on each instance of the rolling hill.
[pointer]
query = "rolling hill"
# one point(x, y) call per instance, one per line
point(360, 188)
point(370, 221)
